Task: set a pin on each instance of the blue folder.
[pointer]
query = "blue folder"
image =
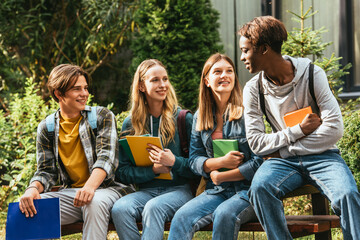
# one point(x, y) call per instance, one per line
point(44, 224)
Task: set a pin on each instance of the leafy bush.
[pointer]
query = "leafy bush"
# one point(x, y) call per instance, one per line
point(18, 140)
point(182, 35)
point(300, 205)
point(37, 35)
point(120, 120)
point(349, 144)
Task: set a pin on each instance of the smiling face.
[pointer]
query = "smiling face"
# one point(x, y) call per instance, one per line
point(155, 84)
point(251, 57)
point(74, 99)
point(221, 77)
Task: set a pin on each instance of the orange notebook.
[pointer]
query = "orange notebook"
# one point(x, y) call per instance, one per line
point(296, 117)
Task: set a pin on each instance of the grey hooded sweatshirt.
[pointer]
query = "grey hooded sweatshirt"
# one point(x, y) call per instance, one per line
point(279, 100)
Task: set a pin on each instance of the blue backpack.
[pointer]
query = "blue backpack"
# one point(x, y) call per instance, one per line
point(92, 118)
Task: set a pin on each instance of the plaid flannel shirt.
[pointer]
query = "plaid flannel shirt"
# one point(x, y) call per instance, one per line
point(101, 151)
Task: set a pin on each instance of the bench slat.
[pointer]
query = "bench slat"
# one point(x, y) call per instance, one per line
point(297, 225)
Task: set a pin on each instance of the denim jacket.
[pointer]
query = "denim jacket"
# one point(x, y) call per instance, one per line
point(100, 151)
point(201, 149)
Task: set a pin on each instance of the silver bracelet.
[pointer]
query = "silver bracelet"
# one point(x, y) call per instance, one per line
point(32, 187)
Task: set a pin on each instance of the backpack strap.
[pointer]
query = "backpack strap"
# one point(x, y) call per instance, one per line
point(50, 125)
point(262, 102)
point(311, 89)
point(50, 122)
point(92, 118)
point(182, 131)
point(311, 84)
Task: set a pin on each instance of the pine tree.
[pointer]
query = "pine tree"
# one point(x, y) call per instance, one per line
point(305, 41)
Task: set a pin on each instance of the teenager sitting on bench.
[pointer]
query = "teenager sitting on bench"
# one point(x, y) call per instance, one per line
point(304, 153)
point(82, 158)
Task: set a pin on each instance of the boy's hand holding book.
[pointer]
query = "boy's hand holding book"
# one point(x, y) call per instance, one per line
point(310, 123)
point(308, 120)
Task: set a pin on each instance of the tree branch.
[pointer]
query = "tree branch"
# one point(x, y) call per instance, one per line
point(58, 47)
point(93, 68)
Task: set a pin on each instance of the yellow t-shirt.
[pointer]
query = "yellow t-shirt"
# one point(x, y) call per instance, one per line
point(71, 151)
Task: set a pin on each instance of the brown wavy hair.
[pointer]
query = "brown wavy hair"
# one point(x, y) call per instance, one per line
point(63, 77)
point(234, 108)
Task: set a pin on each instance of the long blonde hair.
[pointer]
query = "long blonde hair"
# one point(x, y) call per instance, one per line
point(234, 108)
point(139, 109)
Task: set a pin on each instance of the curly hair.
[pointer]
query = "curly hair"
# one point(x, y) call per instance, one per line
point(265, 30)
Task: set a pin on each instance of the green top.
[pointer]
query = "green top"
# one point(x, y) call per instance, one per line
point(144, 177)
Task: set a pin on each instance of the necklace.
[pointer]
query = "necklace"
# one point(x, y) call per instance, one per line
point(272, 80)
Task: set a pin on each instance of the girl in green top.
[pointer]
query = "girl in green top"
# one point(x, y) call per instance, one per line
point(154, 111)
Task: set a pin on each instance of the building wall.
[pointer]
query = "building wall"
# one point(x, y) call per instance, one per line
point(233, 14)
point(328, 16)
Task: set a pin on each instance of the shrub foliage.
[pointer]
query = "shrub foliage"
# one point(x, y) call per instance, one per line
point(182, 35)
point(18, 140)
point(349, 144)
point(37, 35)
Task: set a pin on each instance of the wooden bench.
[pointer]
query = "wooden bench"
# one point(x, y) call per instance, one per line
point(320, 223)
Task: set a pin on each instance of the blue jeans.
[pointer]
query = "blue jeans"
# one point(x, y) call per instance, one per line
point(154, 206)
point(327, 171)
point(227, 210)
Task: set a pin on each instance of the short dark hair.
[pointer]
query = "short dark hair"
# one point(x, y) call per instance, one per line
point(265, 30)
point(64, 77)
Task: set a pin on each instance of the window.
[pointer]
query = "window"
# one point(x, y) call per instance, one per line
point(356, 28)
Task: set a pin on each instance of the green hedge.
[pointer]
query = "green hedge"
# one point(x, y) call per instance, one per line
point(349, 144)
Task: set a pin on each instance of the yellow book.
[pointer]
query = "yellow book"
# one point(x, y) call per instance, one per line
point(138, 146)
point(296, 117)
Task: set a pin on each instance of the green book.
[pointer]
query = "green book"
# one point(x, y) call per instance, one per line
point(222, 146)
point(124, 146)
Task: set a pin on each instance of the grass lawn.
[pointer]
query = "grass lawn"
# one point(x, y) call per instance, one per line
point(336, 235)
